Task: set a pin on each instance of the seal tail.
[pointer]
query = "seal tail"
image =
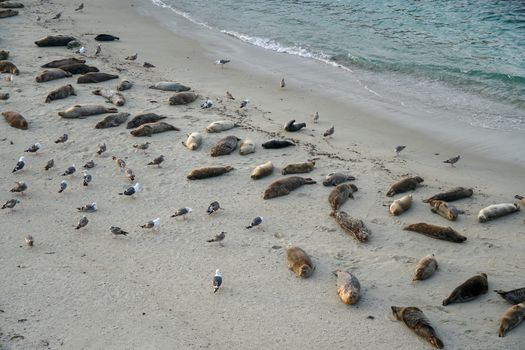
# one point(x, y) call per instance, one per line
point(436, 342)
point(249, 226)
point(501, 292)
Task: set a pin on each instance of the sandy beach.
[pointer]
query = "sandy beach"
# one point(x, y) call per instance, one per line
point(85, 289)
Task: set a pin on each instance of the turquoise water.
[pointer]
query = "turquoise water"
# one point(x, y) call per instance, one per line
point(471, 47)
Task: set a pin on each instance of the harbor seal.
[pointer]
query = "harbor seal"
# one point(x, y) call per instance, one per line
point(404, 185)
point(452, 195)
point(299, 262)
point(51, 74)
point(61, 92)
point(182, 98)
point(62, 62)
point(170, 86)
point(54, 40)
point(78, 68)
point(112, 96)
point(106, 37)
point(8, 13)
point(15, 120)
point(514, 296)
point(298, 168)
point(416, 320)
point(340, 195)
point(348, 287)
point(292, 126)
point(95, 77)
point(262, 170)
point(497, 210)
point(79, 111)
point(511, 318)
point(468, 290)
point(275, 143)
point(334, 179)
point(224, 146)
point(4, 55)
point(425, 267)
point(285, 185)
point(4, 96)
point(8, 67)
point(206, 172)
point(144, 118)
point(246, 146)
point(353, 226)
point(442, 208)
point(221, 125)
point(399, 206)
point(193, 141)
point(124, 84)
point(112, 120)
point(437, 232)
point(11, 5)
point(149, 129)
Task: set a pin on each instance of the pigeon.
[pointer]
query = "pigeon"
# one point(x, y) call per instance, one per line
point(229, 96)
point(282, 84)
point(101, 149)
point(256, 222)
point(99, 50)
point(29, 240)
point(244, 103)
point(63, 186)
point(82, 222)
point(217, 238)
point(87, 178)
point(148, 65)
point(50, 164)
point(90, 164)
point(157, 161)
point(315, 118)
point(132, 57)
point(207, 104)
point(34, 147)
point(88, 208)
point(20, 187)
point(214, 206)
point(142, 146)
point(70, 170)
point(217, 281)
point(452, 160)
point(120, 163)
point(118, 231)
point(131, 190)
point(129, 174)
point(10, 203)
point(62, 139)
point(80, 7)
point(398, 149)
point(154, 224)
point(57, 16)
point(329, 132)
point(222, 62)
point(20, 164)
point(182, 212)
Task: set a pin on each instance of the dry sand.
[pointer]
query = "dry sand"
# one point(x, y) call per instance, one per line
point(88, 290)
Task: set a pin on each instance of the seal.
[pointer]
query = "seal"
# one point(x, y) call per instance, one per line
point(404, 185)
point(51, 74)
point(224, 146)
point(112, 120)
point(353, 226)
point(210, 171)
point(275, 143)
point(4, 96)
point(11, 5)
point(299, 262)
point(348, 287)
point(497, 210)
point(54, 40)
point(124, 84)
point(285, 185)
point(452, 195)
point(340, 195)
point(60, 93)
point(95, 77)
point(152, 128)
point(170, 86)
point(399, 206)
point(416, 320)
point(334, 179)
point(182, 98)
point(112, 96)
point(247, 146)
point(78, 68)
point(298, 168)
point(468, 290)
point(511, 318)
point(514, 296)
point(425, 267)
point(442, 208)
point(193, 141)
point(79, 111)
point(292, 126)
point(262, 170)
point(221, 125)
point(144, 118)
point(106, 37)
point(8, 13)
point(4, 55)
point(8, 67)
point(437, 232)
point(15, 120)
point(62, 62)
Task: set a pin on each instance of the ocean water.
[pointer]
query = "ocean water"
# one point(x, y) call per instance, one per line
point(466, 57)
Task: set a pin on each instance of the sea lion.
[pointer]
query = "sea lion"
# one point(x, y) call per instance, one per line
point(106, 37)
point(262, 170)
point(497, 210)
point(246, 146)
point(425, 267)
point(514, 296)
point(54, 40)
point(112, 120)
point(292, 126)
point(51, 74)
point(340, 195)
point(182, 98)
point(416, 320)
point(61, 92)
point(149, 129)
point(221, 125)
point(353, 226)
point(298, 168)
point(404, 185)
point(348, 287)
point(224, 146)
point(399, 206)
point(210, 171)
point(275, 143)
point(78, 68)
point(124, 84)
point(170, 86)
point(299, 262)
point(4, 55)
point(8, 67)
point(285, 185)
point(334, 179)
point(11, 5)
point(437, 232)
point(15, 120)
point(8, 13)
point(95, 77)
point(62, 62)
point(452, 195)
point(144, 118)
point(468, 290)
point(112, 96)
point(442, 208)
point(79, 111)
point(193, 141)
point(511, 318)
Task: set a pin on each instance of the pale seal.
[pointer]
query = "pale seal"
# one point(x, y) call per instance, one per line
point(399, 206)
point(444, 209)
point(170, 86)
point(193, 141)
point(262, 170)
point(220, 125)
point(246, 146)
point(112, 96)
point(497, 210)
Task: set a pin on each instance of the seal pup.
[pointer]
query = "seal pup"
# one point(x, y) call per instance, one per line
point(182, 212)
point(224, 146)
point(129, 174)
point(193, 141)
point(149, 129)
point(82, 222)
point(157, 161)
point(182, 98)
point(170, 86)
point(398, 149)
point(315, 118)
point(60, 93)
point(95, 77)
point(217, 238)
point(62, 139)
point(120, 163)
point(468, 290)
point(8, 67)
point(262, 170)
point(112, 96)
point(355, 227)
point(292, 126)
point(334, 179)
point(112, 120)
point(217, 281)
point(11, 203)
point(514, 296)
point(29, 240)
point(20, 187)
point(51, 74)
point(86, 178)
point(132, 57)
point(282, 84)
point(80, 111)
point(442, 208)
point(130, 191)
point(399, 206)
point(452, 195)
point(348, 287)
point(285, 185)
point(299, 262)
point(275, 143)
point(19, 165)
point(124, 84)
point(340, 195)
point(88, 208)
point(144, 118)
point(50, 163)
point(213, 207)
point(329, 132)
point(437, 232)
point(15, 120)
point(115, 230)
point(404, 185)
point(258, 220)
point(511, 318)
point(246, 146)
point(497, 210)
point(452, 160)
point(101, 149)
point(416, 320)
point(425, 267)
point(63, 186)
point(35, 147)
point(152, 224)
point(220, 125)
point(206, 172)
point(298, 168)
point(106, 37)
point(70, 170)
point(90, 164)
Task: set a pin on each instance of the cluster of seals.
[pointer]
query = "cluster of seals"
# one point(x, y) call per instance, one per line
point(444, 209)
point(112, 120)
point(54, 40)
point(262, 170)
point(399, 206)
point(340, 195)
point(355, 227)
point(468, 290)
point(182, 98)
point(246, 146)
point(144, 118)
point(224, 146)
point(404, 185)
point(60, 93)
point(298, 168)
point(193, 141)
point(78, 68)
point(95, 77)
point(51, 74)
point(79, 111)
point(149, 129)
point(8, 67)
point(275, 143)
point(292, 126)
point(206, 172)
point(348, 287)
point(511, 318)
point(514, 296)
point(170, 86)
point(106, 37)
point(299, 262)
point(221, 125)
point(437, 232)
point(497, 210)
point(425, 268)
point(285, 185)
point(112, 96)
point(62, 62)
point(15, 119)
point(8, 13)
point(452, 195)
point(416, 320)
point(124, 84)
point(334, 179)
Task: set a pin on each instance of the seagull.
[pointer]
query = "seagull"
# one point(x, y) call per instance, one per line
point(217, 238)
point(207, 104)
point(20, 187)
point(34, 147)
point(10, 203)
point(89, 164)
point(148, 65)
point(282, 84)
point(118, 231)
point(82, 50)
point(63, 186)
point(142, 146)
point(29, 240)
point(256, 222)
point(244, 103)
point(132, 57)
point(182, 212)
point(398, 149)
point(131, 190)
point(50, 164)
point(129, 174)
point(154, 224)
point(229, 96)
point(80, 7)
point(101, 149)
point(87, 178)
point(70, 170)
point(214, 206)
point(88, 208)
point(316, 117)
point(157, 161)
point(20, 164)
point(217, 281)
point(62, 139)
point(99, 50)
point(57, 16)
point(120, 163)
point(452, 160)
point(82, 222)
point(222, 62)
point(329, 132)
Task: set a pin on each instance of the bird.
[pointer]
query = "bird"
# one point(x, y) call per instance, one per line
point(217, 281)
point(452, 160)
point(57, 16)
point(20, 187)
point(207, 104)
point(34, 147)
point(50, 164)
point(315, 118)
point(82, 222)
point(80, 7)
point(88, 208)
point(118, 231)
point(142, 146)
point(182, 212)
point(256, 222)
point(154, 224)
point(87, 178)
point(244, 103)
point(120, 163)
point(90, 164)
point(213, 207)
point(217, 238)
point(329, 132)
point(398, 149)
point(101, 149)
point(148, 65)
point(157, 161)
point(222, 62)
point(129, 174)
point(63, 186)
point(132, 57)
point(82, 50)
point(62, 139)
point(99, 50)
point(282, 84)
point(70, 170)
point(131, 190)
point(20, 164)
point(29, 240)
point(229, 96)
point(10, 203)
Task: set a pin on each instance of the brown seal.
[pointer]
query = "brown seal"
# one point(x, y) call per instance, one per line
point(8, 13)
point(15, 120)
point(61, 92)
point(334, 179)
point(210, 171)
point(399, 206)
point(285, 185)
point(112, 96)
point(298, 168)
point(8, 67)
point(442, 208)
point(437, 232)
point(62, 62)
point(404, 185)
point(452, 195)
point(497, 210)
point(79, 111)
point(511, 318)
point(262, 170)
point(51, 74)
point(54, 40)
point(468, 290)
point(4, 96)
point(144, 118)
point(224, 146)
point(416, 320)
point(95, 77)
point(4, 55)
point(340, 195)
point(299, 262)
point(353, 226)
point(112, 120)
point(348, 287)
point(149, 129)
point(78, 68)
point(182, 98)
point(425, 267)
point(514, 296)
